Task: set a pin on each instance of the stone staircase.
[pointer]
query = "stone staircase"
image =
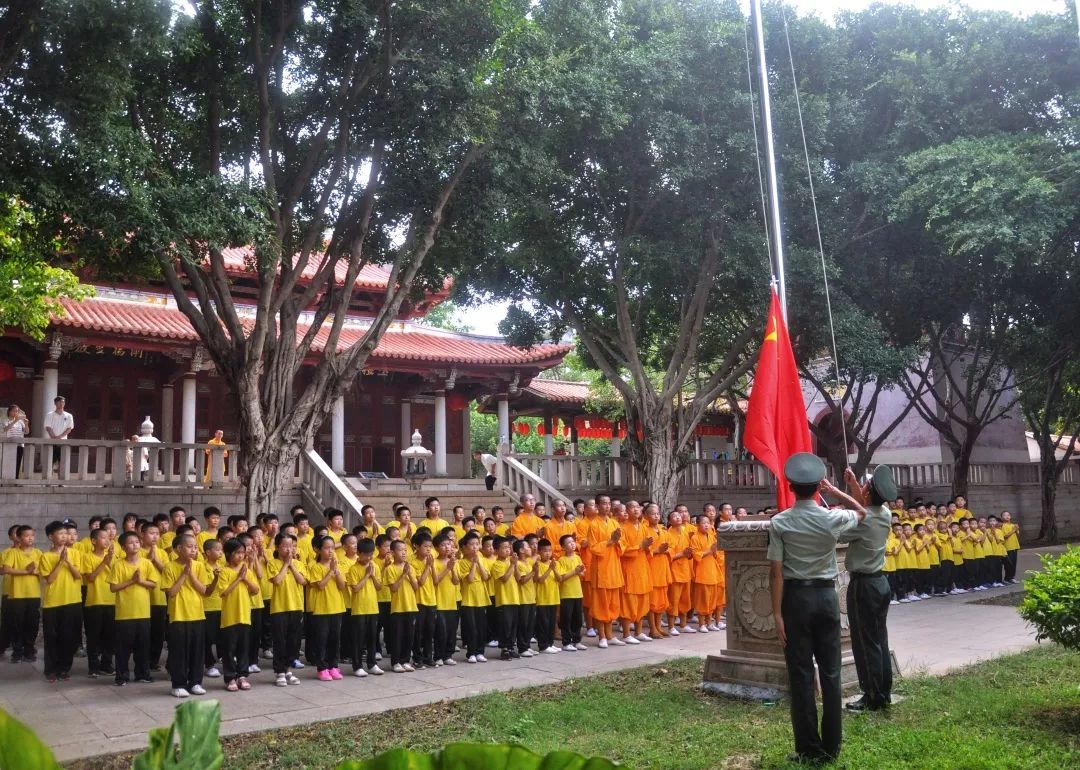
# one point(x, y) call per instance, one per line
point(465, 492)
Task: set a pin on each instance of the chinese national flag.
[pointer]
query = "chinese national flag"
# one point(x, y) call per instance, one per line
point(776, 426)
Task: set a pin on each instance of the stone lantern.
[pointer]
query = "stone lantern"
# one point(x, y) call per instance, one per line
point(414, 462)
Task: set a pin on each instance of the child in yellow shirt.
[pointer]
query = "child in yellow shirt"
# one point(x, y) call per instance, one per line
point(570, 569)
point(214, 556)
point(399, 577)
point(23, 600)
point(445, 577)
point(99, 604)
point(472, 579)
point(237, 587)
point(326, 605)
point(504, 575)
point(61, 602)
point(546, 581)
point(1012, 545)
point(131, 581)
point(186, 582)
point(288, 576)
point(363, 583)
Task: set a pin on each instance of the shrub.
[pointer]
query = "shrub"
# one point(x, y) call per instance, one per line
point(1052, 603)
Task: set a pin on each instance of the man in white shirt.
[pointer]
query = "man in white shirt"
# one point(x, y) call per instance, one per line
point(489, 462)
point(58, 425)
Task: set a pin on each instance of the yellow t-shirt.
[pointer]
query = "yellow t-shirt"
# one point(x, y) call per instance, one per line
point(932, 549)
point(944, 546)
point(507, 592)
point(528, 588)
point(384, 591)
point(571, 587)
point(336, 536)
point(236, 607)
point(446, 591)
point(22, 586)
point(547, 587)
point(133, 602)
point(327, 600)
point(425, 593)
point(157, 596)
point(488, 561)
point(373, 531)
point(66, 589)
point(98, 593)
point(288, 595)
point(962, 513)
point(502, 530)
point(404, 598)
point(998, 544)
point(474, 592)
point(434, 526)
point(345, 563)
point(187, 604)
point(957, 544)
point(203, 538)
point(892, 543)
point(459, 532)
point(1012, 536)
point(212, 601)
point(166, 540)
point(978, 542)
point(305, 552)
point(366, 600)
point(922, 557)
point(906, 557)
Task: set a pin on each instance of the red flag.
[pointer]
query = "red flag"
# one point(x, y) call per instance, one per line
point(776, 426)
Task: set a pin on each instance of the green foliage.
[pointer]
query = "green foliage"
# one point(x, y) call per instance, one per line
point(195, 728)
point(20, 749)
point(446, 315)
point(1052, 603)
point(478, 756)
point(30, 287)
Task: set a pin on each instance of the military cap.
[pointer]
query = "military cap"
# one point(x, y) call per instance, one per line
point(804, 468)
point(883, 483)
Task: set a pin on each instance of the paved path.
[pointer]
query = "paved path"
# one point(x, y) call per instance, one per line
point(84, 717)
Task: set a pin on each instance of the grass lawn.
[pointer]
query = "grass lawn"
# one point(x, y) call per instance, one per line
point(1015, 712)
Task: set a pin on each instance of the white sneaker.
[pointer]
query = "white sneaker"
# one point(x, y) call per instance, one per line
point(292, 679)
point(552, 650)
point(673, 631)
point(663, 623)
point(197, 689)
point(438, 664)
point(408, 668)
point(643, 637)
point(924, 596)
point(376, 671)
point(591, 632)
point(179, 692)
point(492, 643)
point(450, 662)
point(714, 626)
point(359, 673)
point(267, 655)
point(280, 681)
point(602, 644)
point(894, 602)
point(253, 669)
point(532, 640)
point(630, 640)
point(703, 629)
point(213, 672)
point(905, 600)
point(569, 648)
point(470, 659)
point(580, 647)
point(688, 630)
point(721, 626)
point(297, 664)
point(378, 656)
point(398, 668)
point(617, 641)
point(481, 659)
point(528, 654)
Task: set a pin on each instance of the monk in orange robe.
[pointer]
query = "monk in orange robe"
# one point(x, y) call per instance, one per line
point(636, 542)
point(556, 527)
point(605, 543)
point(682, 573)
point(706, 574)
point(582, 526)
point(659, 570)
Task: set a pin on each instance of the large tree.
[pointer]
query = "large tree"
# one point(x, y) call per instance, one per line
point(327, 136)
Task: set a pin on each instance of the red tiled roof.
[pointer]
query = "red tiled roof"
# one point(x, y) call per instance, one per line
point(561, 391)
point(146, 320)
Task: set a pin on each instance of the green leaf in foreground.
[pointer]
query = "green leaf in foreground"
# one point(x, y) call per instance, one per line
point(196, 729)
point(20, 749)
point(478, 756)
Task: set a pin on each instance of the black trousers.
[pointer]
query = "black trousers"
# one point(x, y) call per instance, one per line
point(446, 622)
point(494, 620)
point(264, 638)
point(489, 481)
point(526, 619)
point(186, 650)
point(364, 637)
point(509, 617)
point(868, 610)
point(345, 643)
point(159, 621)
point(1010, 565)
point(812, 621)
point(24, 617)
point(893, 585)
point(211, 642)
point(474, 629)
point(997, 568)
point(62, 628)
point(131, 639)
point(100, 638)
point(258, 620)
point(324, 640)
point(234, 643)
point(545, 626)
point(5, 624)
point(424, 635)
point(384, 628)
point(945, 576)
point(285, 632)
point(571, 618)
point(403, 636)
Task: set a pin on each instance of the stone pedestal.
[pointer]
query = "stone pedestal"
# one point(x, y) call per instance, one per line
point(752, 663)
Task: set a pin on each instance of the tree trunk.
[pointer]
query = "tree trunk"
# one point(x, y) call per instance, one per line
point(265, 476)
point(661, 469)
point(1048, 477)
point(962, 464)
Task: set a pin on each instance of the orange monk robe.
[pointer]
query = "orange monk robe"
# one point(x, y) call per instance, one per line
point(635, 566)
point(721, 586)
point(681, 573)
point(659, 569)
point(554, 531)
point(706, 575)
point(581, 532)
point(525, 524)
point(608, 579)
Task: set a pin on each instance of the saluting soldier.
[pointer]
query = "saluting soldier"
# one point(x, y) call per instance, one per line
point(806, 608)
point(869, 594)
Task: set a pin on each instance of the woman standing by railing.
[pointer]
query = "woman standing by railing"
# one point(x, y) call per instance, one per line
point(14, 428)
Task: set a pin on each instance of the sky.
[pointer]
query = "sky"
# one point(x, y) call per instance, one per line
point(484, 319)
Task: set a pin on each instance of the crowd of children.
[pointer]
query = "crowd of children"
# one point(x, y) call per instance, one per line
point(939, 550)
point(220, 596)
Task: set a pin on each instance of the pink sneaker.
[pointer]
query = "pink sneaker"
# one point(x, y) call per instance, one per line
point(324, 676)
point(335, 674)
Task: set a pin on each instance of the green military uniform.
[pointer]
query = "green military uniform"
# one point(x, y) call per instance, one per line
point(868, 597)
point(803, 539)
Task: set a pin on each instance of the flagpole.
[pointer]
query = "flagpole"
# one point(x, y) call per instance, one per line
point(775, 230)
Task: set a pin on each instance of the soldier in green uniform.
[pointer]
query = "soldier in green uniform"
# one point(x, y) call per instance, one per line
point(868, 594)
point(806, 608)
